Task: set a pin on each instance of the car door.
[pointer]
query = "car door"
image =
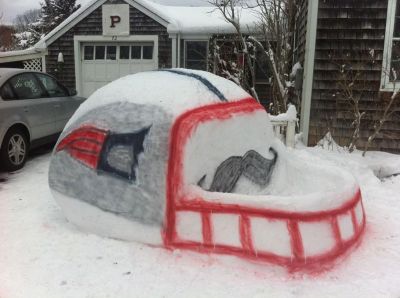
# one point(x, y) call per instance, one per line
point(64, 104)
point(32, 100)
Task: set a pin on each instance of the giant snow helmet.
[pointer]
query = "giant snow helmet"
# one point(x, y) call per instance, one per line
point(186, 159)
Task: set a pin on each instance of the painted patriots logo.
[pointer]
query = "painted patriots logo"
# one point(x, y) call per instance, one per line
point(101, 150)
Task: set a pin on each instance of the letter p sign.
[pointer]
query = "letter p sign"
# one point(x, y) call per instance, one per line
point(115, 20)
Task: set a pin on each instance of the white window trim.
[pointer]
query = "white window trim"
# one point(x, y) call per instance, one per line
point(386, 85)
point(190, 40)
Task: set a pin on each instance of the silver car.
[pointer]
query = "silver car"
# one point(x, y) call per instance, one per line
point(34, 108)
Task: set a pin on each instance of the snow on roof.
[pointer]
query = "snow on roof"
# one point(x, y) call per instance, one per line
point(180, 19)
point(29, 51)
point(204, 19)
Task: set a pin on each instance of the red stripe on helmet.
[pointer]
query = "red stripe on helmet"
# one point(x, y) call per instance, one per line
point(84, 144)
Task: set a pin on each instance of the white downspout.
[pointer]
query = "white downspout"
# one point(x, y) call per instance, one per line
point(174, 52)
point(308, 77)
point(179, 50)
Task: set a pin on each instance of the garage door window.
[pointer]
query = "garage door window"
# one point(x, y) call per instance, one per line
point(111, 52)
point(100, 52)
point(136, 52)
point(88, 52)
point(124, 52)
point(147, 52)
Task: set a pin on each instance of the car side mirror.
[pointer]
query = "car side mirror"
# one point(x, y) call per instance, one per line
point(72, 92)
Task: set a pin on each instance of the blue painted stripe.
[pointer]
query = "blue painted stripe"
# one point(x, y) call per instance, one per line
point(203, 80)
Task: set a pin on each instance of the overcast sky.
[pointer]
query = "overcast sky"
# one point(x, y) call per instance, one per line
point(11, 8)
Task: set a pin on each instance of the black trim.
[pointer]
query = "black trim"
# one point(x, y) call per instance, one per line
point(205, 82)
point(45, 140)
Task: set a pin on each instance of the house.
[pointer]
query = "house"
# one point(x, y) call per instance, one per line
point(360, 34)
point(108, 39)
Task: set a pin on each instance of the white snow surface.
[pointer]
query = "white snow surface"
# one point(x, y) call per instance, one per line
point(42, 255)
point(383, 164)
point(289, 115)
point(19, 52)
point(205, 19)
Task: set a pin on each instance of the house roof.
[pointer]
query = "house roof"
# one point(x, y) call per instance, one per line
point(177, 19)
point(205, 20)
point(20, 55)
point(201, 20)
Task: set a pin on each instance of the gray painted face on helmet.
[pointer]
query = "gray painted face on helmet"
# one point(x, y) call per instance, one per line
point(141, 199)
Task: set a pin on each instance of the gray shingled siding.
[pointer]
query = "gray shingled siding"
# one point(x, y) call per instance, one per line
point(343, 26)
point(92, 25)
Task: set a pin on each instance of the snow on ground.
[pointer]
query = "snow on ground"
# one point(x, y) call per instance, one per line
point(42, 255)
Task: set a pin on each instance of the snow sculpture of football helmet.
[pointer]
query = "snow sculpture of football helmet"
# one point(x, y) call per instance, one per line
point(187, 159)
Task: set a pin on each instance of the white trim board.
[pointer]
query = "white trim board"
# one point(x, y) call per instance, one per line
point(79, 39)
point(386, 85)
point(308, 76)
point(22, 57)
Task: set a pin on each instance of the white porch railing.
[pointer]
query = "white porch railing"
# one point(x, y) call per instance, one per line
point(285, 130)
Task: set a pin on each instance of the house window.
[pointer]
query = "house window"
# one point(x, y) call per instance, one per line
point(196, 53)
point(391, 57)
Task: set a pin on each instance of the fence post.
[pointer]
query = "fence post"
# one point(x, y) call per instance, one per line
point(290, 134)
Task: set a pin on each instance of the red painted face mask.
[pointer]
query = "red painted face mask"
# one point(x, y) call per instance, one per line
point(201, 219)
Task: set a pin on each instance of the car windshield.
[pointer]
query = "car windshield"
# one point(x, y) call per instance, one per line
point(53, 88)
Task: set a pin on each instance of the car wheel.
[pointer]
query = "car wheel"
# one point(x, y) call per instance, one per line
point(14, 150)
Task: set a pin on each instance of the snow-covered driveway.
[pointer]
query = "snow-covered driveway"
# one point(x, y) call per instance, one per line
point(42, 255)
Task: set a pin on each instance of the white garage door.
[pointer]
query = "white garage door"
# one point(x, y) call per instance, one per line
point(105, 62)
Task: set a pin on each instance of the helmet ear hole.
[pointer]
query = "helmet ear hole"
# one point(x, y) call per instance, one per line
point(120, 159)
point(120, 153)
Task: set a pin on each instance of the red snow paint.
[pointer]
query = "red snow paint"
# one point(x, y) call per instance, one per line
point(179, 201)
point(84, 144)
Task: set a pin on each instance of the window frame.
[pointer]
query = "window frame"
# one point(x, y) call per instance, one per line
point(196, 40)
point(16, 97)
point(118, 45)
point(65, 89)
point(386, 84)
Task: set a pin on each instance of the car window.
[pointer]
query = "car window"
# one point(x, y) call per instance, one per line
point(26, 86)
point(6, 92)
point(52, 87)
